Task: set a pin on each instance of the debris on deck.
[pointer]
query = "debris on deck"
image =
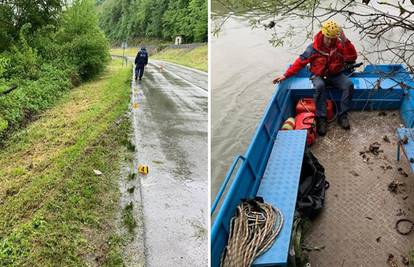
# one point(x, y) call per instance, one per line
point(396, 187)
point(369, 190)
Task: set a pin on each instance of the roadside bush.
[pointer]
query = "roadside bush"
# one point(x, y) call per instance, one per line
point(32, 96)
point(89, 53)
point(83, 42)
point(24, 62)
point(47, 60)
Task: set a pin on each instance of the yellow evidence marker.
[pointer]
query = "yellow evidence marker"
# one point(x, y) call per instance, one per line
point(143, 169)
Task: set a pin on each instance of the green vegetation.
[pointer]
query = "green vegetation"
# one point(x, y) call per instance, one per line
point(55, 208)
point(128, 217)
point(131, 190)
point(45, 52)
point(195, 58)
point(38, 15)
point(132, 176)
point(55, 211)
point(123, 20)
point(129, 52)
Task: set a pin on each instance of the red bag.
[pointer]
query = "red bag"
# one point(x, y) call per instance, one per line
point(308, 105)
point(306, 121)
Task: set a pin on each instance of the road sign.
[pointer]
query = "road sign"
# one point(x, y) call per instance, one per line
point(124, 46)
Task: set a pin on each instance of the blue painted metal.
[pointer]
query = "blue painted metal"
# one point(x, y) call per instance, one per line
point(248, 176)
point(392, 95)
point(224, 184)
point(283, 169)
point(409, 147)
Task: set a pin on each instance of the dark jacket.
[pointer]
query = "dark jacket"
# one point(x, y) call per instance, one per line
point(142, 57)
point(324, 61)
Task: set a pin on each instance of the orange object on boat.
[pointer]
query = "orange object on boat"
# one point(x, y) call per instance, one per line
point(308, 105)
point(306, 121)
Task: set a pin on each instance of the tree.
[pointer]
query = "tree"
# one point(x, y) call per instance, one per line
point(14, 14)
point(174, 20)
point(198, 19)
point(7, 30)
point(159, 19)
point(84, 44)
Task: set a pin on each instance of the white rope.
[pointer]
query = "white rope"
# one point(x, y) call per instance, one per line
point(252, 231)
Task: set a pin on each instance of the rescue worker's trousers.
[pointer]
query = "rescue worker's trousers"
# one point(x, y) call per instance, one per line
point(139, 71)
point(338, 82)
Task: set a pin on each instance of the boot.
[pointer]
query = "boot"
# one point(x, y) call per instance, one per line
point(321, 125)
point(344, 122)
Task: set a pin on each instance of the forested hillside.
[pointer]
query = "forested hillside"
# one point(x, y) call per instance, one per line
point(124, 20)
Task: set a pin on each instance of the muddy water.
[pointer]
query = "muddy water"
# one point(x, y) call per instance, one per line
point(243, 65)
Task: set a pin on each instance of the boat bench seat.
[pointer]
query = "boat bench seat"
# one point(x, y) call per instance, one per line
point(279, 187)
point(408, 148)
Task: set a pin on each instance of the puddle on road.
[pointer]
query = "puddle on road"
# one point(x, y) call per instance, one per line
point(171, 125)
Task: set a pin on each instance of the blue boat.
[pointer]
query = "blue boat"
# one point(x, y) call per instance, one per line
point(271, 166)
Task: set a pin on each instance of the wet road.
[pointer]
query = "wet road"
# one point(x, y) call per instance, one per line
point(170, 121)
point(193, 76)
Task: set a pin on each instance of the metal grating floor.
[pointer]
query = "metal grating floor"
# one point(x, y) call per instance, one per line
point(356, 227)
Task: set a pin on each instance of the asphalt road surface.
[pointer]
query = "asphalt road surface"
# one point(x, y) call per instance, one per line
point(170, 113)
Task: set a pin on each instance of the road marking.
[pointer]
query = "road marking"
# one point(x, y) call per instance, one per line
point(172, 73)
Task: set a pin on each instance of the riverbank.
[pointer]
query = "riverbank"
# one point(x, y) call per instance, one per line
point(59, 176)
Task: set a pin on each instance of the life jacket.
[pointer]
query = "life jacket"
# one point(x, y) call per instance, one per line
point(324, 61)
point(306, 121)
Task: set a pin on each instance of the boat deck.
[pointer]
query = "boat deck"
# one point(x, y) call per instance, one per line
point(357, 226)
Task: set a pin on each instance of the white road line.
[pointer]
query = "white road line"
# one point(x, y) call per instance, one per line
point(176, 75)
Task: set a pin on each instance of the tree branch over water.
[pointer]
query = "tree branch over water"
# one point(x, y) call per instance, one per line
point(386, 29)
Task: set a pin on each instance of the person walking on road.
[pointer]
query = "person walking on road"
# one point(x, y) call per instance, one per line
point(327, 55)
point(141, 60)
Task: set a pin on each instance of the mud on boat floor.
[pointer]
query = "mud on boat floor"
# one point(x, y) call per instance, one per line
point(357, 226)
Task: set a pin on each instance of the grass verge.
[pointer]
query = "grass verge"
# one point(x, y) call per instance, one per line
point(129, 52)
point(55, 211)
point(128, 218)
point(194, 58)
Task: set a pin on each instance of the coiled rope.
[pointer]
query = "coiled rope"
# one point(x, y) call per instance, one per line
point(253, 230)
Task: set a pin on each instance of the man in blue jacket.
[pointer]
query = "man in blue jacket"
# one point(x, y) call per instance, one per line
point(141, 60)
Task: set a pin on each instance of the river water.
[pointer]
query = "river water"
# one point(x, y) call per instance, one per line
point(243, 64)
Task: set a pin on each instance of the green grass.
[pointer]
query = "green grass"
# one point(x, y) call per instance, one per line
point(131, 176)
point(54, 210)
point(128, 218)
point(130, 52)
point(411, 256)
point(194, 58)
point(131, 190)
